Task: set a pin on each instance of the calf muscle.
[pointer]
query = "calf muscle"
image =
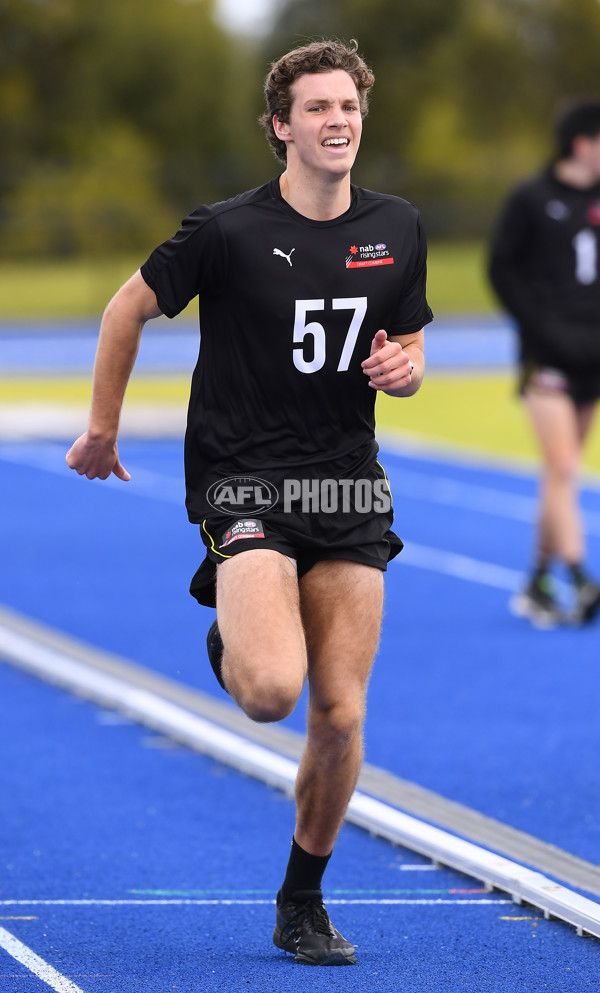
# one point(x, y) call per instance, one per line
point(342, 604)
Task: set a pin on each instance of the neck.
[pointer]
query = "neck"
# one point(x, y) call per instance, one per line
point(575, 173)
point(319, 201)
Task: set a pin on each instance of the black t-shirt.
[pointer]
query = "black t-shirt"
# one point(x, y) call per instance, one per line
point(545, 269)
point(288, 308)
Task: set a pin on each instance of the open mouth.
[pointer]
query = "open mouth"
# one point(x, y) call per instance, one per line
point(336, 142)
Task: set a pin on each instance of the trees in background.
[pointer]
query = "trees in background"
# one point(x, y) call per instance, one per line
point(465, 92)
point(116, 118)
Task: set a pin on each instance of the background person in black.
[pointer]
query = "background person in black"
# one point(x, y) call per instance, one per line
point(545, 269)
point(297, 282)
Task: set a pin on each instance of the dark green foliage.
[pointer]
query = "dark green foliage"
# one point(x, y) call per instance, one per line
point(116, 117)
point(465, 92)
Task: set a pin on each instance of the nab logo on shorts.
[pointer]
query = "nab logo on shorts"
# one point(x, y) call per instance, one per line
point(242, 495)
point(242, 529)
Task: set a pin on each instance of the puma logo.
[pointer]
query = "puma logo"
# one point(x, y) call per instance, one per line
point(277, 251)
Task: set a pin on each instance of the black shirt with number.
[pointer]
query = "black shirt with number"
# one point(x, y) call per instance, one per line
point(288, 308)
point(545, 269)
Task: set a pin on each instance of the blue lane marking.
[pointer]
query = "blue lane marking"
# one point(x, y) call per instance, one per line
point(472, 343)
point(94, 809)
point(464, 699)
point(52, 352)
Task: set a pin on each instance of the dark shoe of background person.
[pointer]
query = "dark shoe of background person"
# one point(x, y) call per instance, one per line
point(537, 604)
point(587, 603)
point(304, 929)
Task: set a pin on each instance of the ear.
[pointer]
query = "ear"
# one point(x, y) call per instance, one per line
point(282, 129)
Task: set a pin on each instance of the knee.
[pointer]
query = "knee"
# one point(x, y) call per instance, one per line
point(335, 729)
point(562, 469)
point(267, 699)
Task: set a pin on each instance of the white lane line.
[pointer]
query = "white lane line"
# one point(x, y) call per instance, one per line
point(35, 964)
point(380, 901)
point(409, 483)
point(148, 708)
point(468, 496)
point(462, 567)
point(418, 868)
point(520, 882)
point(44, 455)
point(170, 490)
point(404, 445)
point(50, 457)
point(159, 487)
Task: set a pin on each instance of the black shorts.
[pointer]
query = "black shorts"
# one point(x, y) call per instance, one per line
point(319, 518)
point(582, 389)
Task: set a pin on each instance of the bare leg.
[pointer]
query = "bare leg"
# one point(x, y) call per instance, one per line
point(341, 606)
point(258, 609)
point(261, 612)
point(585, 419)
point(561, 429)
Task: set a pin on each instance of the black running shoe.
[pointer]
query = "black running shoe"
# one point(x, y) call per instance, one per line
point(214, 647)
point(304, 929)
point(537, 603)
point(587, 603)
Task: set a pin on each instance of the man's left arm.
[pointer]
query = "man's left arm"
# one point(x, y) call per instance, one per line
point(396, 365)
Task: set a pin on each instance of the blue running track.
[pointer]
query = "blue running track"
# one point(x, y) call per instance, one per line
point(130, 864)
point(465, 700)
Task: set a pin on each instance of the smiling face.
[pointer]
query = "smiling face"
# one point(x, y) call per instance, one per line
point(325, 124)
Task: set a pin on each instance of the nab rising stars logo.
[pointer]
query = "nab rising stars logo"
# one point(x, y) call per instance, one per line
point(366, 256)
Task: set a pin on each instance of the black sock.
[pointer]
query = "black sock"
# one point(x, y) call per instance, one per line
point(541, 570)
point(578, 575)
point(304, 872)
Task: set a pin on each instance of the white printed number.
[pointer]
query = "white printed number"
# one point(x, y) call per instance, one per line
point(304, 330)
point(586, 257)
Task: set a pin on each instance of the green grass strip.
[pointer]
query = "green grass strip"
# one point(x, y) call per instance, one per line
point(480, 413)
point(55, 289)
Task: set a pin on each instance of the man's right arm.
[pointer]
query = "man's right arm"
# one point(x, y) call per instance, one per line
point(95, 453)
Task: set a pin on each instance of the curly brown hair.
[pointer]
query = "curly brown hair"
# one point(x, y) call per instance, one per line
point(318, 56)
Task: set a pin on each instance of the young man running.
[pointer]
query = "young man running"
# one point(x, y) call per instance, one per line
point(544, 267)
point(312, 299)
